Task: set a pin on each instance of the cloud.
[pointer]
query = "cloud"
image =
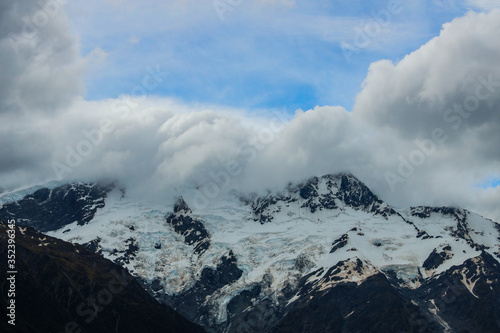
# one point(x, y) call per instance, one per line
point(450, 85)
point(41, 67)
point(484, 4)
point(444, 72)
point(315, 142)
point(161, 145)
point(134, 40)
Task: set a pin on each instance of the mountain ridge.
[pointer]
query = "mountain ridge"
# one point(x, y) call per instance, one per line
point(263, 247)
point(62, 286)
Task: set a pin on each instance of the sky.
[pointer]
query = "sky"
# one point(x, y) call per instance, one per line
point(252, 54)
point(251, 95)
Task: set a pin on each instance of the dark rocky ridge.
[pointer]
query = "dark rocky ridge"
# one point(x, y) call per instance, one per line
point(339, 243)
point(51, 209)
point(372, 306)
point(193, 230)
point(60, 284)
point(342, 189)
point(465, 311)
point(458, 214)
point(436, 258)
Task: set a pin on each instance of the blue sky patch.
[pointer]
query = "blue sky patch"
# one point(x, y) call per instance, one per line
point(256, 54)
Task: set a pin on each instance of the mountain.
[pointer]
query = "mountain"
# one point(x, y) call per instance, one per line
point(50, 209)
point(64, 287)
point(322, 255)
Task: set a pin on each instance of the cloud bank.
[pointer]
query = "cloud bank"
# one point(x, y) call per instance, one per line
point(424, 130)
point(41, 65)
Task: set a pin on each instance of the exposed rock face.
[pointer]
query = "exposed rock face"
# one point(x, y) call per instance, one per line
point(193, 230)
point(329, 192)
point(466, 297)
point(339, 243)
point(462, 230)
point(372, 306)
point(437, 258)
point(51, 209)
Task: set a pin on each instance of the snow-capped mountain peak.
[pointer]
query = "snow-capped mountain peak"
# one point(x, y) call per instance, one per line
point(332, 193)
point(275, 253)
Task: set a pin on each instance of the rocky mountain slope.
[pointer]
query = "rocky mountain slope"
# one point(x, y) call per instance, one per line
point(64, 287)
point(324, 255)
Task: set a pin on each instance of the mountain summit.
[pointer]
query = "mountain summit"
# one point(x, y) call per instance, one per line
point(327, 193)
point(322, 255)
